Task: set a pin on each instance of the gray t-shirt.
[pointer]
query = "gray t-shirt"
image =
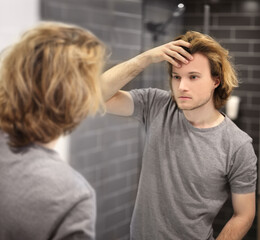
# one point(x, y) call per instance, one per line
point(42, 197)
point(187, 173)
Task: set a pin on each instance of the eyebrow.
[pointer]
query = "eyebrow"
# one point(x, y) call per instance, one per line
point(188, 73)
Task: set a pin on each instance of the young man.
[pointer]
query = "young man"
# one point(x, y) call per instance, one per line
point(49, 82)
point(194, 155)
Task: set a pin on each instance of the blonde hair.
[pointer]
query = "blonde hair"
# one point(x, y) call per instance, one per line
point(49, 82)
point(219, 61)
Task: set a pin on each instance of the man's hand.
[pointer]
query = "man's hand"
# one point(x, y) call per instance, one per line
point(169, 52)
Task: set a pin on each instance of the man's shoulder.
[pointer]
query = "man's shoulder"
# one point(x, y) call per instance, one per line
point(44, 176)
point(151, 92)
point(61, 179)
point(152, 97)
point(237, 136)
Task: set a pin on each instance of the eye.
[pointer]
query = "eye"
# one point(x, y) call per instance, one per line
point(193, 77)
point(176, 77)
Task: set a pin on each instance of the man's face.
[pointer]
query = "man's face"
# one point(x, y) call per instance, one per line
point(193, 85)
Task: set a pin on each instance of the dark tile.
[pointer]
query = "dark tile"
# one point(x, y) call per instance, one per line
point(122, 231)
point(123, 53)
point(128, 7)
point(109, 137)
point(103, 33)
point(192, 28)
point(133, 178)
point(252, 113)
point(257, 21)
point(109, 234)
point(255, 81)
point(222, 7)
point(109, 170)
point(127, 22)
point(87, 159)
point(90, 124)
point(116, 121)
point(256, 100)
point(115, 218)
point(257, 47)
point(128, 165)
point(236, 47)
point(242, 74)
point(134, 147)
point(127, 38)
point(256, 74)
point(85, 143)
point(129, 133)
point(193, 7)
point(246, 86)
point(247, 34)
point(234, 21)
point(106, 204)
point(115, 152)
point(52, 13)
point(256, 144)
point(220, 34)
point(126, 197)
point(243, 99)
point(103, 4)
point(247, 60)
point(255, 128)
point(113, 186)
point(193, 20)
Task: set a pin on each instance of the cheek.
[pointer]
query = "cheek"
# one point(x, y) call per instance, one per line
point(175, 84)
point(207, 85)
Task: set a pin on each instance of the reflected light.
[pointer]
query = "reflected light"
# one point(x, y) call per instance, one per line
point(180, 5)
point(250, 6)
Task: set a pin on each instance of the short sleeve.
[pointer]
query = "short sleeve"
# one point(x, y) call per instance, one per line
point(148, 103)
point(78, 223)
point(243, 171)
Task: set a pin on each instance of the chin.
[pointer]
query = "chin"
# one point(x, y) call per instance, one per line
point(186, 108)
point(183, 107)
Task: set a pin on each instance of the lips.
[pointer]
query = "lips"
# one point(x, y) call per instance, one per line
point(184, 97)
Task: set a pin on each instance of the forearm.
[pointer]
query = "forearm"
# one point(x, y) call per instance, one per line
point(118, 76)
point(235, 229)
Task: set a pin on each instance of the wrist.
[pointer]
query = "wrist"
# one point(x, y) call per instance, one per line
point(143, 60)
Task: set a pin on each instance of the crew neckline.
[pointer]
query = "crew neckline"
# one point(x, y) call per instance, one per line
point(45, 149)
point(190, 126)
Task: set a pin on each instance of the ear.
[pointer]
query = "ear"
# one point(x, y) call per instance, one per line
point(216, 81)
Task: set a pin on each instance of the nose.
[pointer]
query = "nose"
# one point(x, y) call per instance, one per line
point(183, 85)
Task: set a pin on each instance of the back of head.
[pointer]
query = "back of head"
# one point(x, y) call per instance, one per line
point(49, 82)
point(219, 60)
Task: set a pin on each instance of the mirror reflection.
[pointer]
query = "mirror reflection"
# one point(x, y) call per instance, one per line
point(170, 169)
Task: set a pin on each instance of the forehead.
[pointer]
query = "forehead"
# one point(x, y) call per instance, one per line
point(200, 63)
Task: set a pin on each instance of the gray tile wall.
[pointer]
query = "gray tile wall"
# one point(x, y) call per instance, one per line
point(239, 31)
point(106, 150)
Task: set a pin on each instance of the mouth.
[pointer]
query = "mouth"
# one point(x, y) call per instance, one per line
point(184, 97)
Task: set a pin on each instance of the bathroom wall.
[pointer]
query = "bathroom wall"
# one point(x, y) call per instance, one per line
point(236, 24)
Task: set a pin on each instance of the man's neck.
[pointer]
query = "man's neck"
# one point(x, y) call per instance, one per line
point(204, 117)
point(50, 145)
